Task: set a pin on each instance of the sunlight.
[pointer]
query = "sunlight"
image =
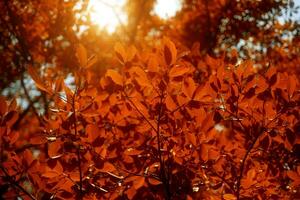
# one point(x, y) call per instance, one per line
point(167, 8)
point(107, 14)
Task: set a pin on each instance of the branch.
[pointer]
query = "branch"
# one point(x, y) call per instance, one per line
point(161, 160)
point(248, 153)
point(78, 148)
point(24, 113)
point(16, 184)
point(140, 112)
point(157, 131)
point(31, 103)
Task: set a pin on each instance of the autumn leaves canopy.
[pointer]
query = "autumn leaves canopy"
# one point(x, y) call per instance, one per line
point(150, 128)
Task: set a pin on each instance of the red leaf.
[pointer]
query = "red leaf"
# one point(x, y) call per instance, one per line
point(56, 171)
point(291, 87)
point(11, 118)
point(3, 106)
point(293, 175)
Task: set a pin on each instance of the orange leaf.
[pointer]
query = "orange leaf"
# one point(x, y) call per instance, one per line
point(262, 85)
point(229, 197)
point(54, 148)
point(131, 192)
point(189, 87)
point(120, 53)
point(81, 55)
point(56, 171)
point(92, 131)
point(153, 65)
point(170, 52)
point(91, 61)
point(141, 77)
point(14, 136)
point(178, 70)
point(28, 157)
point(108, 167)
point(249, 180)
point(247, 68)
point(132, 152)
point(170, 103)
point(192, 138)
point(213, 154)
point(115, 76)
point(271, 71)
point(131, 52)
point(204, 152)
point(38, 81)
point(154, 181)
point(138, 182)
point(38, 139)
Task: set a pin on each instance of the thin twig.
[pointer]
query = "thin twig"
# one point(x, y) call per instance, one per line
point(140, 112)
point(161, 160)
point(248, 153)
point(16, 184)
point(78, 147)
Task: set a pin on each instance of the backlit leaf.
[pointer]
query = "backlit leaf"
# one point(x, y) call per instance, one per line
point(229, 197)
point(120, 53)
point(138, 182)
point(178, 70)
point(81, 55)
point(133, 152)
point(115, 76)
point(154, 181)
point(170, 52)
point(38, 81)
point(192, 138)
point(153, 65)
point(53, 172)
point(108, 167)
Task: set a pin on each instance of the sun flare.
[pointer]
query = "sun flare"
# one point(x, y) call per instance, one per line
point(167, 8)
point(107, 14)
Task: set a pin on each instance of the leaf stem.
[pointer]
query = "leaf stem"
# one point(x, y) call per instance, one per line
point(78, 147)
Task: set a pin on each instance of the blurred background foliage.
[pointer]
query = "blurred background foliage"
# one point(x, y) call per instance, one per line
point(44, 34)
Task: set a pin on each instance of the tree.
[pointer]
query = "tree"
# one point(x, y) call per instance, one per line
point(170, 119)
